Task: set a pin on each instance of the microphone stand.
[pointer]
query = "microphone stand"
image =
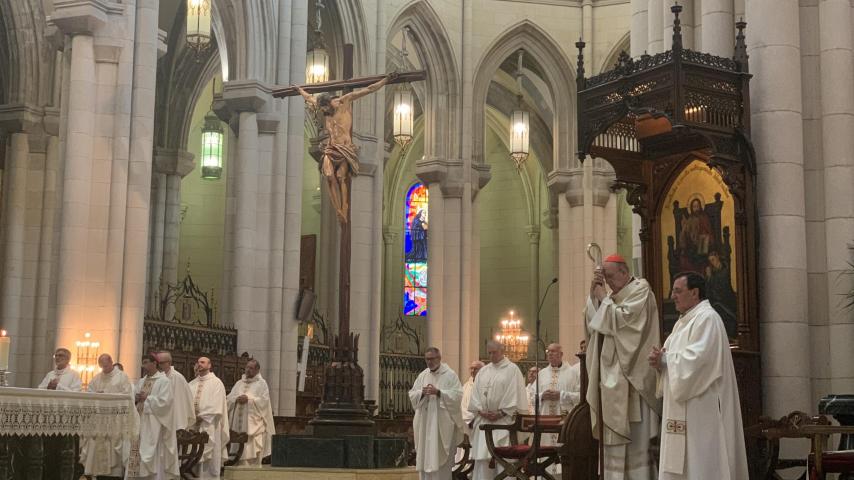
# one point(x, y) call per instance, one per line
point(537, 380)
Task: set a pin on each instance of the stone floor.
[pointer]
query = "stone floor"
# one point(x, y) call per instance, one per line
point(291, 473)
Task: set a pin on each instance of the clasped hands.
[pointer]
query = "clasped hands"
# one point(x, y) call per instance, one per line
point(242, 399)
point(655, 356)
point(52, 384)
point(430, 390)
point(491, 416)
point(551, 395)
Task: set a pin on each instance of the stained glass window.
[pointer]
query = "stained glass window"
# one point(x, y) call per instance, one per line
point(415, 251)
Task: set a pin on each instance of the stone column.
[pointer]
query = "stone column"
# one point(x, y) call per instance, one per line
point(569, 324)
point(391, 285)
point(639, 32)
point(587, 27)
point(718, 35)
point(837, 120)
point(655, 27)
point(155, 250)
point(244, 99)
point(533, 232)
point(777, 132)
point(139, 183)
point(72, 320)
point(171, 166)
point(14, 226)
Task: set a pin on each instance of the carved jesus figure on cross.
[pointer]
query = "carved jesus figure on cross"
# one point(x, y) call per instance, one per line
point(340, 159)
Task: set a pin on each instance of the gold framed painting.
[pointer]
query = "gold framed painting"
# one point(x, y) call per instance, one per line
point(697, 234)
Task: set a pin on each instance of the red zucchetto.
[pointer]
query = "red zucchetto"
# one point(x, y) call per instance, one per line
point(615, 258)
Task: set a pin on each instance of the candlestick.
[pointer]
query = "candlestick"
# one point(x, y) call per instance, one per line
point(5, 347)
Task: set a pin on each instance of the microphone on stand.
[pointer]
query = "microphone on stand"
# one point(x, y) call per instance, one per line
point(537, 364)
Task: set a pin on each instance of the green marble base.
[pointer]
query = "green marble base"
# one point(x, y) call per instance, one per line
point(350, 451)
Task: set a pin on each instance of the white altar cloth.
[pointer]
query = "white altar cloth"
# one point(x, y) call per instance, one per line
point(29, 411)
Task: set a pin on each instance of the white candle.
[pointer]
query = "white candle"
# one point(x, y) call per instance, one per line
point(5, 346)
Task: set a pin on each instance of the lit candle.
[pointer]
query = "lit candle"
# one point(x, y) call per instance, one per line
point(5, 346)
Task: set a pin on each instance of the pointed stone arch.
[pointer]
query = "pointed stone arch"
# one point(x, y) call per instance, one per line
point(26, 76)
point(246, 35)
point(442, 98)
point(622, 45)
point(559, 77)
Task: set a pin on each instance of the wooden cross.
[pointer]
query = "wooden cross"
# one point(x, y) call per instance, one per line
point(346, 85)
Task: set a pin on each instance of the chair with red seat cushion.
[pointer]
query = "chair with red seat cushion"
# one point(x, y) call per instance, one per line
point(519, 460)
point(821, 462)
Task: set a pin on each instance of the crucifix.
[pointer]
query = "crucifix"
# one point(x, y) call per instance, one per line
point(343, 392)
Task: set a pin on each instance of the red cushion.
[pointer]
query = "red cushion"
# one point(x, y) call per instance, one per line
point(836, 462)
point(519, 451)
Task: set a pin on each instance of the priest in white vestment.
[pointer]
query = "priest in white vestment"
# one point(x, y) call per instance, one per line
point(103, 456)
point(468, 416)
point(498, 395)
point(622, 327)
point(250, 411)
point(531, 386)
point(211, 410)
point(154, 455)
point(63, 377)
point(183, 409)
point(436, 396)
point(702, 435)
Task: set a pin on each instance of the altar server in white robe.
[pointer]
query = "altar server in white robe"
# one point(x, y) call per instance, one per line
point(183, 410)
point(211, 411)
point(63, 377)
point(622, 327)
point(154, 455)
point(702, 435)
point(499, 393)
point(103, 456)
point(250, 411)
point(467, 389)
point(436, 396)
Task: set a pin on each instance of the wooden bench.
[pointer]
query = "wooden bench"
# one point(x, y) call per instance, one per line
point(191, 447)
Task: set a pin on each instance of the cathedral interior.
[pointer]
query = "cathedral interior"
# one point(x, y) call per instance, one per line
point(161, 185)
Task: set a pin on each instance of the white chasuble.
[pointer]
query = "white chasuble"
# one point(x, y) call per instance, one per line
point(565, 379)
point(498, 387)
point(155, 454)
point(212, 417)
point(184, 414)
point(626, 324)
point(438, 422)
point(702, 435)
point(69, 380)
point(105, 456)
point(255, 417)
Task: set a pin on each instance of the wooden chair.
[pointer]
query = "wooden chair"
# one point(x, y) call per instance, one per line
point(191, 446)
point(518, 460)
point(462, 469)
point(238, 440)
point(763, 443)
point(821, 461)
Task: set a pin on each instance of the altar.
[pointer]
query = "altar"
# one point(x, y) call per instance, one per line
point(40, 429)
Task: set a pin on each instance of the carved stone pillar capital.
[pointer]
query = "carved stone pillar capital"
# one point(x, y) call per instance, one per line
point(533, 232)
point(82, 17)
point(390, 234)
point(241, 96)
point(170, 161)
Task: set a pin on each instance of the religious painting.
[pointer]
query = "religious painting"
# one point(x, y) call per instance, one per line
point(415, 251)
point(697, 222)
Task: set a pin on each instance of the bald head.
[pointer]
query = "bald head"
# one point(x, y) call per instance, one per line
point(554, 354)
point(203, 366)
point(164, 360)
point(105, 361)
